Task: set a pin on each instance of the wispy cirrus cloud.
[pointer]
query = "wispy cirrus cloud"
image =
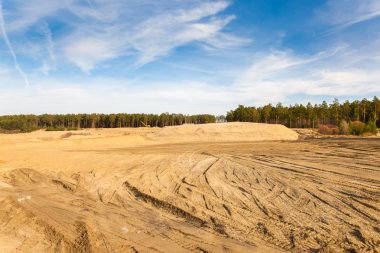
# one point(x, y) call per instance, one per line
point(10, 47)
point(149, 38)
point(345, 13)
point(98, 31)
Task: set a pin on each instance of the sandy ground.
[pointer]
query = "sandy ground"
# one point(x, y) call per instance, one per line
point(213, 188)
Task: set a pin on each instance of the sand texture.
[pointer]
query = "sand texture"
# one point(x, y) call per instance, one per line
point(213, 188)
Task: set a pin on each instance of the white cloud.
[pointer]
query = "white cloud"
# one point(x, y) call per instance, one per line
point(279, 65)
point(51, 96)
point(46, 68)
point(4, 70)
point(88, 52)
point(28, 13)
point(279, 75)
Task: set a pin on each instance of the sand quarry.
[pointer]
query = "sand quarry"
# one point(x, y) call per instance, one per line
point(237, 187)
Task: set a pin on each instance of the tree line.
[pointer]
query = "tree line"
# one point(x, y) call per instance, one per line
point(310, 116)
point(27, 123)
point(293, 116)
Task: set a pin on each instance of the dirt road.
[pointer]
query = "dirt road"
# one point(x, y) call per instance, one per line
point(124, 191)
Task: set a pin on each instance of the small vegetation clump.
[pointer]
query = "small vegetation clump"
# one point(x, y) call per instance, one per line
point(371, 127)
point(344, 128)
point(66, 135)
point(61, 128)
point(328, 129)
point(353, 128)
point(69, 134)
point(357, 128)
point(55, 128)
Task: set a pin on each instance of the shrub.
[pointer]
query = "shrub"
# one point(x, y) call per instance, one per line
point(371, 127)
point(56, 128)
point(328, 129)
point(357, 127)
point(28, 129)
point(344, 127)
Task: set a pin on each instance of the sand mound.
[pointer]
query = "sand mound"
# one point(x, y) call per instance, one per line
point(224, 132)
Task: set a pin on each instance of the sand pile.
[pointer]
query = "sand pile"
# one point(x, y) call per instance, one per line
point(225, 132)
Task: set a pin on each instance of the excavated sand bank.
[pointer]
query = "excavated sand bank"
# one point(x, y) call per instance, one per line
point(225, 132)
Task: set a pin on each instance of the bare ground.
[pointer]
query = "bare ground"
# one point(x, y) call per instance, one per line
point(142, 190)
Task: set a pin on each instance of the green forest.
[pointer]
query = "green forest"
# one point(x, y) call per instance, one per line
point(349, 117)
point(354, 117)
point(309, 116)
point(57, 122)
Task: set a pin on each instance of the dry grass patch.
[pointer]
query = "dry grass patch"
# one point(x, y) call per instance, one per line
point(69, 134)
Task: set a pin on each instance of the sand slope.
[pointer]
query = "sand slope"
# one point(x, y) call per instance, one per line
point(225, 132)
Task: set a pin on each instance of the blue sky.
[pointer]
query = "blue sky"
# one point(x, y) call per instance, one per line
point(195, 56)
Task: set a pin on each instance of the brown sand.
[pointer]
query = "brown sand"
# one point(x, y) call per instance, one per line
point(213, 188)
